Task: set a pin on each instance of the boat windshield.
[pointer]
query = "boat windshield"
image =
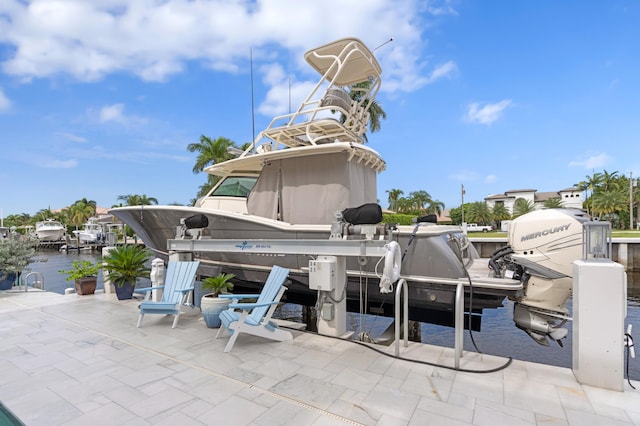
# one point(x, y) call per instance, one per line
point(235, 186)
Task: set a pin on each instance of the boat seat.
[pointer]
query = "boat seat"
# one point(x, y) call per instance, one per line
point(310, 133)
point(336, 97)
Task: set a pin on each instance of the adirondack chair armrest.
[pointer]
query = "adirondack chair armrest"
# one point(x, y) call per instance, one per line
point(185, 290)
point(147, 289)
point(249, 306)
point(239, 296)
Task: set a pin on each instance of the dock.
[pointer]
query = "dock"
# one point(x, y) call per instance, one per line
point(77, 360)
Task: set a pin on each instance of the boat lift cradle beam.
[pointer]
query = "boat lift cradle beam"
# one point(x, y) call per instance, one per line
point(330, 247)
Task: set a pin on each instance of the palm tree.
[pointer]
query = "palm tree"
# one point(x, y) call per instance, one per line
point(404, 205)
point(394, 195)
point(420, 199)
point(500, 213)
point(137, 200)
point(435, 207)
point(522, 206)
point(210, 152)
point(606, 203)
point(553, 203)
point(610, 180)
point(590, 184)
point(478, 212)
point(91, 203)
point(80, 212)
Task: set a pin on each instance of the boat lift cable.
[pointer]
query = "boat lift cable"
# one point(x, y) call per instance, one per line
point(466, 273)
point(628, 343)
point(416, 361)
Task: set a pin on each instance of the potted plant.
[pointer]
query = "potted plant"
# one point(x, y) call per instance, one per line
point(211, 305)
point(125, 265)
point(16, 252)
point(84, 273)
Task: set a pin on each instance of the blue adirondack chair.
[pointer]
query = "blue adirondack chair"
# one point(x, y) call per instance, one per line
point(255, 318)
point(179, 279)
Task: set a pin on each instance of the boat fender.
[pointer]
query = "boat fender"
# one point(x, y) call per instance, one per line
point(391, 271)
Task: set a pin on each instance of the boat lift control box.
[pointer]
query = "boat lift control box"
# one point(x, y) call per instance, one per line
point(322, 273)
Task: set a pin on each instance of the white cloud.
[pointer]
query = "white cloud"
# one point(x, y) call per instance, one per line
point(592, 161)
point(464, 176)
point(5, 103)
point(60, 164)
point(112, 113)
point(285, 93)
point(444, 70)
point(486, 114)
point(154, 40)
point(71, 137)
point(490, 179)
point(115, 113)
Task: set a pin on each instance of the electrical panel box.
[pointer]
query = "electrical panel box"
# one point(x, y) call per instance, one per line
point(322, 274)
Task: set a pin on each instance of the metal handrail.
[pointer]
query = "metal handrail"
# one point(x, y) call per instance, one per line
point(402, 284)
point(459, 324)
point(38, 279)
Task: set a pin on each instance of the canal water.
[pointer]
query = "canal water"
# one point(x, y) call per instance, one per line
point(498, 336)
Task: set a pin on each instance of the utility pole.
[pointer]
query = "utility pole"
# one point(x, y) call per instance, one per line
point(630, 200)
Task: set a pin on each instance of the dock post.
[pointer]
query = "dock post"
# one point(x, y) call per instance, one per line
point(599, 311)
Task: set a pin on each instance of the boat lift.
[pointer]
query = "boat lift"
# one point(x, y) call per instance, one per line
point(327, 274)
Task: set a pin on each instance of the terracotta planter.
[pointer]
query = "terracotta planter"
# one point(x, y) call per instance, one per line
point(86, 285)
point(211, 307)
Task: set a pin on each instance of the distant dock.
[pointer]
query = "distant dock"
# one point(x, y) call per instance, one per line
point(71, 244)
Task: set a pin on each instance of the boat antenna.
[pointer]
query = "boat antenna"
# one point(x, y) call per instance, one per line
point(253, 119)
point(386, 42)
point(289, 95)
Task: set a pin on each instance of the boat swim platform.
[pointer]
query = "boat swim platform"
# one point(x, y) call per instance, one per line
point(77, 360)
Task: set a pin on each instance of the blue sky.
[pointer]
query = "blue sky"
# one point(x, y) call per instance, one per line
point(100, 99)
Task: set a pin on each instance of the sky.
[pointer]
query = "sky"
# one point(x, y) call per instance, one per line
point(99, 99)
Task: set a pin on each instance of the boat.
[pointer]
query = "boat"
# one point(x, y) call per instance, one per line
point(50, 230)
point(92, 232)
point(306, 176)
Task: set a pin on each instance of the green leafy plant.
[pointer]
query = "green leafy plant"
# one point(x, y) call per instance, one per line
point(81, 269)
point(218, 284)
point(126, 264)
point(16, 252)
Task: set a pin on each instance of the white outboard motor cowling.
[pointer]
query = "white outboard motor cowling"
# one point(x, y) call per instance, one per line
point(543, 246)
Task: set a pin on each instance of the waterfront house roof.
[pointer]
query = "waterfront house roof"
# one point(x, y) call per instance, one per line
point(498, 197)
point(543, 196)
point(520, 190)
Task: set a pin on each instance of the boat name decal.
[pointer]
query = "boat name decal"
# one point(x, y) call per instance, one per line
point(545, 232)
point(246, 246)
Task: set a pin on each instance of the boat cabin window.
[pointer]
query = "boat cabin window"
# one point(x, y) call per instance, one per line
point(235, 186)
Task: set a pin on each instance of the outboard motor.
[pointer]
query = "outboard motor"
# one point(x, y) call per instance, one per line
point(542, 248)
